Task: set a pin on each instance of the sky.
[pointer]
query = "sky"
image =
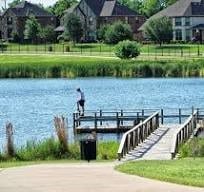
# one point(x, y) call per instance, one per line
point(44, 2)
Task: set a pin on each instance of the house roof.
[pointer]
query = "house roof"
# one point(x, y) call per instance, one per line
point(186, 8)
point(25, 8)
point(96, 5)
point(105, 8)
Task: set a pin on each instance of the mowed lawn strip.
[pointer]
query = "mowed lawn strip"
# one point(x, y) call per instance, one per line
point(185, 171)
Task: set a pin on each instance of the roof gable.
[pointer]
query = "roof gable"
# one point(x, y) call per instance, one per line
point(96, 6)
point(120, 9)
point(25, 8)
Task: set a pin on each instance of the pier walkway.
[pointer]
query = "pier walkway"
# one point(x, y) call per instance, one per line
point(157, 146)
point(147, 134)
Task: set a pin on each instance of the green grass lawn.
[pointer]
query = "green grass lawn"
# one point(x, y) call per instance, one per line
point(184, 171)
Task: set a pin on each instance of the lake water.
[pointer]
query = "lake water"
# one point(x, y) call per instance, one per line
point(31, 104)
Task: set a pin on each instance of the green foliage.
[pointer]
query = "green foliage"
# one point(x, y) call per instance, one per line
point(184, 171)
point(194, 148)
point(44, 150)
point(159, 30)
point(118, 32)
point(60, 6)
point(32, 29)
point(14, 3)
point(73, 27)
point(107, 150)
point(101, 33)
point(151, 7)
point(16, 66)
point(51, 149)
point(127, 49)
point(47, 33)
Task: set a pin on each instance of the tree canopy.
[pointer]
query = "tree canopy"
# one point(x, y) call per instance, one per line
point(60, 6)
point(159, 30)
point(147, 7)
point(73, 27)
point(32, 28)
point(14, 3)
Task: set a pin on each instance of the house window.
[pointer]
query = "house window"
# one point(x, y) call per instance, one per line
point(9, 33)
point(178, 34)
point(187, 21)
point(188, 35)
point(9, 20)
point(178, 21)
point(91, 21)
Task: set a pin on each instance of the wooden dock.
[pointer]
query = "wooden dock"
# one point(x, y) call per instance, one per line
point(147, 133)
point(120, 121)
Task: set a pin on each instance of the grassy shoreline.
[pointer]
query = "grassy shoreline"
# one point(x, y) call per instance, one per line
point(43, 66)
point(184, 171)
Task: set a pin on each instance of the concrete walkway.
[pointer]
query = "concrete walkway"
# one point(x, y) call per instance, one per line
point(80, 178)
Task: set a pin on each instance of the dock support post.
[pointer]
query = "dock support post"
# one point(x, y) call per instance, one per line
point(101, 122)
point(117, 121)
point(179, 116)
point(162, 116)
point(142, 114)
point(95, 122)
point(74, 123)
point(121, 117)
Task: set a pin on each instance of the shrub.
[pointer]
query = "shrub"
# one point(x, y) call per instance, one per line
point(194, 148)
point(127, 49)
point(101, 32)
point(118, 32)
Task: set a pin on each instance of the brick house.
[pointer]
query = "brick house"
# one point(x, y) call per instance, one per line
point(13, 19)
point(95, 13)
point(187, 19)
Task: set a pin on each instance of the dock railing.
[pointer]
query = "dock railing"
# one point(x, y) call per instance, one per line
point(138, 134)
point(184, 132)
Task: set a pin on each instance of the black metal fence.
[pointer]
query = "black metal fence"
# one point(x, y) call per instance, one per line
point(149, 50)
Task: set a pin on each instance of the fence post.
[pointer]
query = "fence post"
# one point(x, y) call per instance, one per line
point(198, 50)
point(181, 51)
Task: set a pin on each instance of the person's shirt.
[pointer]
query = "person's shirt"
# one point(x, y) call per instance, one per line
point(81, 96)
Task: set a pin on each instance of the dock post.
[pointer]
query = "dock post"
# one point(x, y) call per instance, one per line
point(95, 122)
point(74, 123)
point(142, 114)
point(179, 115)
point(101, 122)
point(118, 122)
point(162, 116)
point(122, 117)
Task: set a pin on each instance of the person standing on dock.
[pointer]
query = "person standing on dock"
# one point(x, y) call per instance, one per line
point(80, 101)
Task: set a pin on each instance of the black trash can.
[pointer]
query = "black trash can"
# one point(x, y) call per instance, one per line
point(88, 149)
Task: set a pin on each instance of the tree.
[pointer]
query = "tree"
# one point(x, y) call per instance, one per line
point(101, 32)
point(14, 3)
point(118, 32)
point(47, 33)
point(127, 49)
point(32, 29)
point(60, 6)
point(151, 7)
point(159, 30)
point(73, 28)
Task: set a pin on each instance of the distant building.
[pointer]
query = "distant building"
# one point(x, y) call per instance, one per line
point(13, 19)
point(95, 13)
point(187, 18)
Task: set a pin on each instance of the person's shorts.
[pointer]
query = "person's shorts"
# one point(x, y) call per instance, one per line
point(81, 103)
